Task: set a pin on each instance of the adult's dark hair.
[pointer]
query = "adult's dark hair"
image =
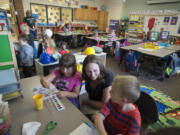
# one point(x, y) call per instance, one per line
point(23, 37)
point(68, 60)
point(28, 12)
point(96, 60)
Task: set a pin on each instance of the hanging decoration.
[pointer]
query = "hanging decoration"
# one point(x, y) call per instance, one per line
point(76, 3)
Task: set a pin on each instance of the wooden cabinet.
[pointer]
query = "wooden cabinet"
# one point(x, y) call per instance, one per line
point(102, 21)
point(101, 17)
point(85, 14)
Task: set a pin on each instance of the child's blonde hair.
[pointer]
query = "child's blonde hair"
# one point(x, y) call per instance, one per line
point(127, 86)
point(47, 40)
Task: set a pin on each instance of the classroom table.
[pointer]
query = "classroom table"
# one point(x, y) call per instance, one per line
point(68, 37)
point(104, 39)
point(156, 56)
point(162, 52)
point(23, 110)
point(45, 69)
point(75, 33)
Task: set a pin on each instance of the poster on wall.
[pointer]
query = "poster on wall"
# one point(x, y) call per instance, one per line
point(166, 20)
point(164, 35)
point(66, 15)
point(53, 15)
point(40, 10)
point(174, 20)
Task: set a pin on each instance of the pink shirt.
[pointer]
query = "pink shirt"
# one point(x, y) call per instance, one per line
point(67, 83)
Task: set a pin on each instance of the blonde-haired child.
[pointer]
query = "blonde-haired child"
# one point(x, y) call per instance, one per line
point(119, 115)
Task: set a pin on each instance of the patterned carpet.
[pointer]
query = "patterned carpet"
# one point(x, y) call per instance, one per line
point(168, 108)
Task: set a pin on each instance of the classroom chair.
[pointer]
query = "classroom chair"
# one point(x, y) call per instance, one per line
point(148, 110)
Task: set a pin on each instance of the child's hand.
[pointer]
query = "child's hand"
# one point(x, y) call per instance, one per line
point(45, 83)
point(61, 94)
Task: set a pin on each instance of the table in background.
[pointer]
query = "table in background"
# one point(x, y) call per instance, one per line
point(156, 55)
point(45, 69)
point(162, 52)
point(68, 37)
point(104, 39)
point(23, 110)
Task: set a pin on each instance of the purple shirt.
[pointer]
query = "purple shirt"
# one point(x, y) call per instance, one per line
point(68, 83)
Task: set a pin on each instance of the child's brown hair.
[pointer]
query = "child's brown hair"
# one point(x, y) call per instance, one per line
point(68, 60)
point(127, 86)
point(23, 37)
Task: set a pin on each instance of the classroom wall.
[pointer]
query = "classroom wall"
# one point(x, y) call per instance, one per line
point(114, 8)
point(96, 3)
point(135, 5)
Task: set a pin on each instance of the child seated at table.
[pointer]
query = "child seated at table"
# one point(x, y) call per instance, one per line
point(66, 79)
point(63, 49)
point(119, 115)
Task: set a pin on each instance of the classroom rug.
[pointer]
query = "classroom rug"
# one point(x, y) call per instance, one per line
point(168, 108)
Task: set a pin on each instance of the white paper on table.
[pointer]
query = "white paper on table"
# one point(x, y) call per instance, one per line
point(146, 49)
point(84, 129)
point(47, 93)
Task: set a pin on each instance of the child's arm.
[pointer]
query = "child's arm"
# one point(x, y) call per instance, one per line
point(98, 121)
point(135, 125)
point(98, 104)
point(72, 94)
point(45, 81)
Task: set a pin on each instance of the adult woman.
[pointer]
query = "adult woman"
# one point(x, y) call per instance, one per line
point(98, 82)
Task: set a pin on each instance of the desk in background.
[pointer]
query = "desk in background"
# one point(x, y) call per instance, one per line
point(162, 52)
point(160, 58)
point(70, 37)
point(23, 110)
point(104, 39)
point(45, 69)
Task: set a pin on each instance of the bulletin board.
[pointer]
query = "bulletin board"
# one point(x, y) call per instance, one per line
point(41, 11)
point(7, 53)
point(66, 14)
point(53, 14)
point(161, 23)
point(49, 14)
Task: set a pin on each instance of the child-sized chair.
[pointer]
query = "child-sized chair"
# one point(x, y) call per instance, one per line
point(148, 110)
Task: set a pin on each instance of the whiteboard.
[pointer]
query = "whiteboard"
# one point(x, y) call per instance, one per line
point(159, 23)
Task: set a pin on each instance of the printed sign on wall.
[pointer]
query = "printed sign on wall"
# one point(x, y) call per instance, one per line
point(166, 20)
point(174, 20)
